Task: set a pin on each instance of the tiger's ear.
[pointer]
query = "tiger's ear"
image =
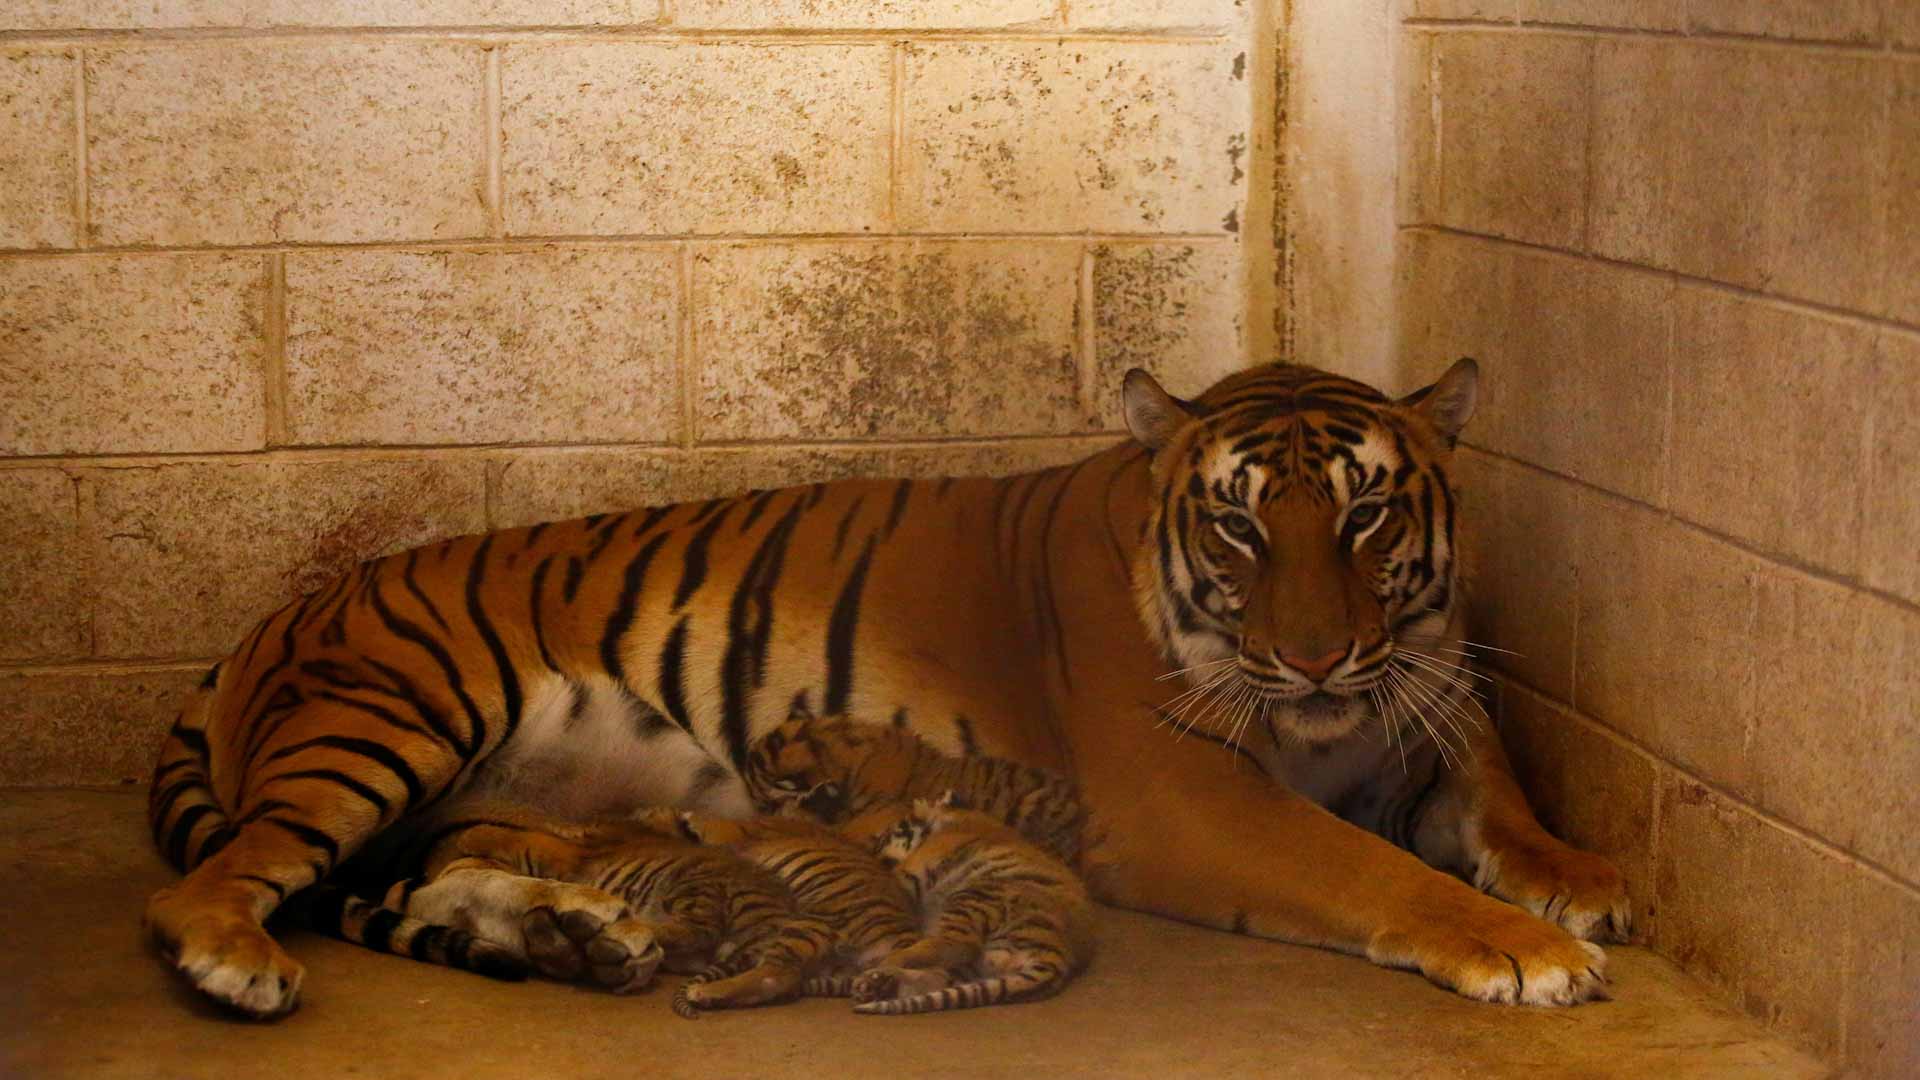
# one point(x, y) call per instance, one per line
point(1153, 415)
point(1448, 403)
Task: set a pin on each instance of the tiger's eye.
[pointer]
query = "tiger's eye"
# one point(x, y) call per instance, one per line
point(1238, 527)
point(1363, 515)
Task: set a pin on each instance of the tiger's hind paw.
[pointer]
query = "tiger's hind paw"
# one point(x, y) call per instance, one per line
point(619, 954)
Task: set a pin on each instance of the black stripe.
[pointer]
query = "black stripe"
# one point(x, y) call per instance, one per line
point(693, 561)
point(406, 578)
point(1050, 607)
point(335, 776)
point(366, 748)
point(377, 933)
point(212, 676)
point(533, 534)
point(379, 712)
point(846, 521)
point(754, 509)
point(672, 690)
point(509, 675)
point(748, 632)
point(575, 571)
point(182, 830)
point(963, 727)
point(411, 632)
point(840, 633)
point(194, 739)
point(406, 690)
point(623, 610)
point(898, 509)
point(309, 836)
point(533, 609)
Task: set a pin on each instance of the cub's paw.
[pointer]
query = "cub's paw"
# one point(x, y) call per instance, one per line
point(617, 953)
point(880, 983)
point(1503, 956)
point(1576, 890)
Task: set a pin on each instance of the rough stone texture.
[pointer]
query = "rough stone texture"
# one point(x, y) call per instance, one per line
point(1164, 1000)
point(1903, 24)
point(1628, 14)
point(1554, 337)
point(1460, 9)
point(551, 485)
point(1588, 789)
point(1738, 897)
point(553, 344)
point(885, 339)
point(250, 142)
point(1769, 406)
point(1837, 716)
point(733, 138)
point(131, 353)
point(1193, 15)
point(1819, 20)
point(186, 14)
point(191, 556)
point(1106, 136)
point(865, 14)
point(36, 149)
point(1518, 531)
point(1173, 309)
point(1763, 168)
point(1417, 198)
point(1665, 643)
point(1903, 184)
point(87, 727)
point(43, 586)
point(1892, 515)
point(1882, 1039)
point(1513, 134)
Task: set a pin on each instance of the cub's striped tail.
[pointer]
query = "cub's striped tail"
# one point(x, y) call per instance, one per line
point(830, 986)
point(336, 912)
point(1020, 986)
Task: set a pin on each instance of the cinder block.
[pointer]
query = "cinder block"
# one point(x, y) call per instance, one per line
point(1891, 517)
point(1903, 186)
point(88, 727)
point(1700, 870)
point(631, 137)
point(1589, 790)
point(1513, 134)
point(1769, 411)
point(216, 14)
point(191, 556)
point(885, 339)
point(131, 353)
point(1814, 20)
point(1518, 529)
point(36, 149)
point(44, 611)
point(1665, 638)
point(550, 344)
point(865, 14)
point(1173, 309)
point(1837, 715)
point(1071, 135)
point(1883, 1042)
point(1419, 155)
point(1903, 23)
point(1496, 10)
point(1625, 14)
point(1193, 15)
point(235, 142)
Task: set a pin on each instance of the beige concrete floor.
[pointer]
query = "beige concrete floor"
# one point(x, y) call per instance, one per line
point(80, 996)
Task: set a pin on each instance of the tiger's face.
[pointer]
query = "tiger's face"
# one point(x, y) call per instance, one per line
point(1299, 537)
point(806, 766)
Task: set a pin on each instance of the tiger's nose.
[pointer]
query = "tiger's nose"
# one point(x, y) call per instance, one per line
point(1315, 670)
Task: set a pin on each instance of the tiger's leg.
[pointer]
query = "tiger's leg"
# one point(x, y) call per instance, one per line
point(922, 966)
point(775, 965)
point(512, 885)
point(310, 800)
point(1192, 837)
point(1478, 822)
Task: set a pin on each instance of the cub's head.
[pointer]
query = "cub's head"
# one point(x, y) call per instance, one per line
point(826, 768)
point(1300, 537)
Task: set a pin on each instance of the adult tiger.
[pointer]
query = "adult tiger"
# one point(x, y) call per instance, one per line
point(1286, 541)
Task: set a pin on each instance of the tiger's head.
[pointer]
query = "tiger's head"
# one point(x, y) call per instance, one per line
point(1300, 531)
point(828, 768)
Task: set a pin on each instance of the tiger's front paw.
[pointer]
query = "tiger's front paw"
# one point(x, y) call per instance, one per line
point(1493, 952)
point(618, 954)
point(1576, 890)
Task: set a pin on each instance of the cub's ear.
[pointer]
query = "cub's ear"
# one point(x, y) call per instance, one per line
point(1153, 415)
point(1448, 403)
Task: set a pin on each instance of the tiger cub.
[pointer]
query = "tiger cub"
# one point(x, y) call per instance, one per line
point(834, 769)
point(1012, 919)
point(832, 878)
point(617, 899)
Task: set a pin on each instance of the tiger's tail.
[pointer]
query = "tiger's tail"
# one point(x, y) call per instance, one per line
point(1036, 982)
point(337, 912)
point(831, 986)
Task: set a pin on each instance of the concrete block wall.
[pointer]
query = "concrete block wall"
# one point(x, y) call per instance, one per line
point(286, 285)
point(1681, 239)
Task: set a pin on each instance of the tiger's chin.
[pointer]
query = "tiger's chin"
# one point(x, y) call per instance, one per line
point(1317, 718)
